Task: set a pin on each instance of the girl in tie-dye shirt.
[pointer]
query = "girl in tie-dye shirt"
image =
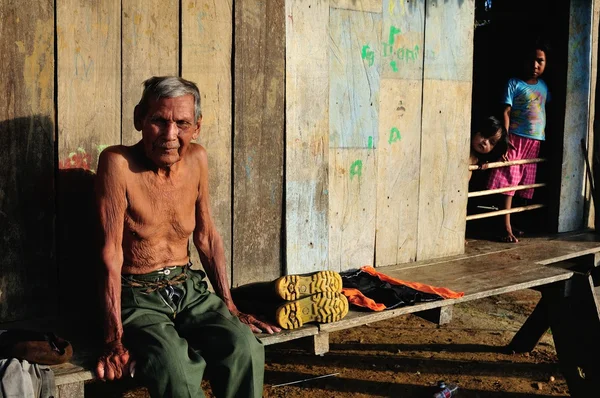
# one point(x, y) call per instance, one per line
point(525, 119)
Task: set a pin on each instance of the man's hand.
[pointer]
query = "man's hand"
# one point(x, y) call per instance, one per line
point(256, 325)
point(113, 364)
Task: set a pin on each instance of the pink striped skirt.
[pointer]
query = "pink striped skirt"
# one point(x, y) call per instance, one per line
point(522, 174)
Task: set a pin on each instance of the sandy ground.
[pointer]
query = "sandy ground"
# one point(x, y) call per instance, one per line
point(407, 356)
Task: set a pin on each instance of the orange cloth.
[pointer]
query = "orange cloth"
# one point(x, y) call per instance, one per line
point(357, 298)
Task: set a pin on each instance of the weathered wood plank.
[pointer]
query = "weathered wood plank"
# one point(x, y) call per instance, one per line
point(89, 119)
point(352, 199)
point(444, 168)
point(449, 40)
point(307, 135)
point(206, 44)
point(287, 335)
point(150, 43)
point(399, 150)
point(74, 390)
point(398, 171)
point(445, 128)
point(258, 140)
point(354, 69)
point(403, 39)
point(358, 5)
point(89, 81)
point(572, 201)
point(590, 209)
point(28, 266)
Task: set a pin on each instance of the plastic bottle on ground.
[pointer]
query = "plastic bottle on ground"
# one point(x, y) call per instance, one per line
point(446, 390)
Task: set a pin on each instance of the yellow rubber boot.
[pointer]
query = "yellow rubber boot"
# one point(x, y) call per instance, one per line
point(321, 307)
point(294, 287)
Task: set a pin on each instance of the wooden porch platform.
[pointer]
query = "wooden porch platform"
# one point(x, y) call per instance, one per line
point(486, 269)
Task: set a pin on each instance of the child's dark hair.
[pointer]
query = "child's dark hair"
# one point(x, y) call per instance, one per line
point(489, 127)
point(538, 43)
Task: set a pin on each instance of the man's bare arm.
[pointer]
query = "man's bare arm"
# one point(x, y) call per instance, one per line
point(209, 244)
point(112, 204)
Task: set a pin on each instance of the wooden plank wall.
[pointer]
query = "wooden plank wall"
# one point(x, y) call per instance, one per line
point(572, 194)
point(350, 133)
point(259, 93)
point(307, 135)
point(447, 80)
point(27, 128)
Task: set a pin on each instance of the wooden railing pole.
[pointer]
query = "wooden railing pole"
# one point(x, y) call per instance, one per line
point(505, 189)
point(495, 165)
point(506, 211)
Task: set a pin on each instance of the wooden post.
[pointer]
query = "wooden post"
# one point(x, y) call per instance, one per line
point(72, 390)
point(320, 343)
point(575, 324)
point(439, 316)
point(571, 203)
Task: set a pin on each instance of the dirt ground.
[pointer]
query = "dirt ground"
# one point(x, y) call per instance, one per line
point(407, 356)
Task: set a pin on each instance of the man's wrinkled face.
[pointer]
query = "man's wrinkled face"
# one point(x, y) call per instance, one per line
point(168, 127)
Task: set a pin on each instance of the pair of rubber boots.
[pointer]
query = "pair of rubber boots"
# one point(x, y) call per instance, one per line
point(308, 298)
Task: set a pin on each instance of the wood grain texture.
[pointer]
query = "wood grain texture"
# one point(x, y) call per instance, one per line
point(444, 168)
point(480, 276)
point(403, 39)
point(352, 200)
point(590, 209)
point(572, 199)
point(28, 265)
point(354, 70)
point(307, 135)
point(447, 75)
point(449, 40)
point(150, 43)
point(89, 81)
point(206, 45)
point(258, 140)
point(357, 5)
point(398, 171)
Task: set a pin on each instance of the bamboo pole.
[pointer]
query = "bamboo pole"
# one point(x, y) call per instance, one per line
point(505, 189)
point(495, 165)
point(506, 211)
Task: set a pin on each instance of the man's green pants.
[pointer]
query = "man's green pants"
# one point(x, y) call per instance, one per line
point(176, 332)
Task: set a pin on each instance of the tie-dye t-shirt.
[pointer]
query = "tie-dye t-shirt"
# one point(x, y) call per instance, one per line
point(528, 108)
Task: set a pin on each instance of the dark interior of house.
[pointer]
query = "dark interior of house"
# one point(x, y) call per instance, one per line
point(502, 29)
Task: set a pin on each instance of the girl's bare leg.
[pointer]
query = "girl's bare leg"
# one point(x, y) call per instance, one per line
point(508, 236)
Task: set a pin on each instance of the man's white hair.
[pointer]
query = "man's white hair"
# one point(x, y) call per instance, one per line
point(169, 87)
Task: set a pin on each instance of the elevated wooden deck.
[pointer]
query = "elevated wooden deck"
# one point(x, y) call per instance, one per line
point(486, 269)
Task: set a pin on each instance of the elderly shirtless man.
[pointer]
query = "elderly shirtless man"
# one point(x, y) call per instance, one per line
point(152, 196)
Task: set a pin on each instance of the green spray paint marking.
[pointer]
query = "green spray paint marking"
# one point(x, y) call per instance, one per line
point(394, 66)
point(393, 32)
point(356, 169)
point(367, 54)
point(370, 142)
point(394, 135)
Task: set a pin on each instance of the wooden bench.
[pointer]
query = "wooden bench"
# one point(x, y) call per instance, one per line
point(561, 267)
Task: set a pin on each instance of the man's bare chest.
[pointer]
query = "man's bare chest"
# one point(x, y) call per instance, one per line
point(161, 210)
